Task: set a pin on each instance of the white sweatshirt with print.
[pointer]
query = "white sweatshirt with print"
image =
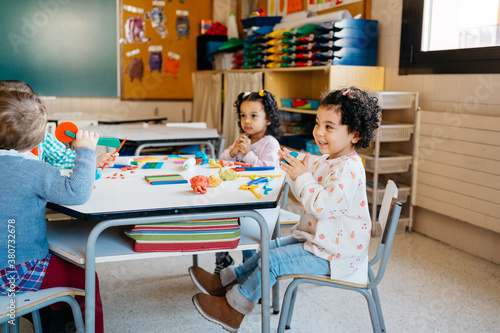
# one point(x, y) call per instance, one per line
point(335, 223)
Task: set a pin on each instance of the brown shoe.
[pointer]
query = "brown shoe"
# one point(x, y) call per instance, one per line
point(218, 311)
point(207, 282)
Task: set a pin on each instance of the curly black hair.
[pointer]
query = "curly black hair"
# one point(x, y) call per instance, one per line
point(270, 106)
point(359, 111)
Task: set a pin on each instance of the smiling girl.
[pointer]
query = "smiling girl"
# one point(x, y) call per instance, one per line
point(333, 233)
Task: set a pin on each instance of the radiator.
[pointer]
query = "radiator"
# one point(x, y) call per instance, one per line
point(457, 167)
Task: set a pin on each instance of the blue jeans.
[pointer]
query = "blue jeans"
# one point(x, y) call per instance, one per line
point(286, 256)
point(247, 254)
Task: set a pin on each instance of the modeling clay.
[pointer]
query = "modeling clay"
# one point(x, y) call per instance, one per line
point(293, 153)
point(227, 174)
point(214, 164)
point(201, 155)
point(214, 181)
point(200, 184)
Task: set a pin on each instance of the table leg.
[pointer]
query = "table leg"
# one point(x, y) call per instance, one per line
point(100, 227)
point(276, 287)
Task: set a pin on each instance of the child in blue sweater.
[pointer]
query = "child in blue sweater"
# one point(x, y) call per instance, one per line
point(26, 185)
point(50, 149)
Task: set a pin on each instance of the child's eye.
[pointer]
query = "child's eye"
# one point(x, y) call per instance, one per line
point(316, 123)
point(254, 116)
point(329, 127)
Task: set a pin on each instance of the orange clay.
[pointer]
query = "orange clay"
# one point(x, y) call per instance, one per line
point(200, 184)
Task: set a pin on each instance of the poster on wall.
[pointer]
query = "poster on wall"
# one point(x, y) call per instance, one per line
point(158, 47)
point(283, 7)
point(318, 5)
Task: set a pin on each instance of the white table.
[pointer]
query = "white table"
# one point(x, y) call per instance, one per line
point(156, 135)
point(131, 201)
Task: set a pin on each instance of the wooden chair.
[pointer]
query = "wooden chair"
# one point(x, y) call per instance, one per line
point(31, 302)
point(369, 291)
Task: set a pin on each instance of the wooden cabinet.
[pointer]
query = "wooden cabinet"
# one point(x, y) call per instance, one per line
point(311, 82)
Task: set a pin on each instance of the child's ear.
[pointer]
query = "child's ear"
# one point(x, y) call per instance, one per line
point(355, 138)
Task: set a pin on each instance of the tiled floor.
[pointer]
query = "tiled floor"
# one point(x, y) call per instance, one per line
point(428, 287)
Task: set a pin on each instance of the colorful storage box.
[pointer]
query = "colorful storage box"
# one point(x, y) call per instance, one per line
point(312, 147)
point(260, 21)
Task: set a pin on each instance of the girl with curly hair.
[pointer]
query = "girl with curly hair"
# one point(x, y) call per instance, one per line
point(260, 127)
point(333, 234)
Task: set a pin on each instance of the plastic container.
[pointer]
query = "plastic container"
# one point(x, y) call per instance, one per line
point(403, 193)
point(312, 147)
point(260, 21)
point(395, 132)
point(223, 61)
point(232, 27)
point(394, 99)
point(388, 162)
point(314, 103)
point(296, 102)
point(286, 102)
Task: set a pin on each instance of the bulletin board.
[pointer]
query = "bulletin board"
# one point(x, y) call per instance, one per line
point(158, 47)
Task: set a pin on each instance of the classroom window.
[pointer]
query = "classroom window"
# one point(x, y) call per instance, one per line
point(450, 36)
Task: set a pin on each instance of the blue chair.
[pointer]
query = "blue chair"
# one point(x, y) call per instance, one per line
point(369, 291)
point(31, 302)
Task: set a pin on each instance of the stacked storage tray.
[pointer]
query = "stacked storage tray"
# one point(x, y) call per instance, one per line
point(391, 132)
point(388, 162)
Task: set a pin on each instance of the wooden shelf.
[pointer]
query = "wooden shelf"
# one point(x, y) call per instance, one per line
point(299, 110)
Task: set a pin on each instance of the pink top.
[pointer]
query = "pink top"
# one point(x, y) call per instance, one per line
point(262, 153)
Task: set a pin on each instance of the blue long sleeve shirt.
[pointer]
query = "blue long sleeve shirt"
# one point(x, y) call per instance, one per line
point(25, 187)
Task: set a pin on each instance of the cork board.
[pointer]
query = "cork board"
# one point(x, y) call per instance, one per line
point(158, 47)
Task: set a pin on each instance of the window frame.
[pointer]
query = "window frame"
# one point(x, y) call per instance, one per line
point(460, 61)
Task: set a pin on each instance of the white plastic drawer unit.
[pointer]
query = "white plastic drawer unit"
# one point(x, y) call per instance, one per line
point(394, 100)
point(392, 132)
point(388, 162)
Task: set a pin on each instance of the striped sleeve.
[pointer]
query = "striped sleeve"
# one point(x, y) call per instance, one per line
point(55, 153)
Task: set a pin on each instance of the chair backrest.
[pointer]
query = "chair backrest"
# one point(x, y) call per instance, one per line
point(388, 219)
point(390, 195)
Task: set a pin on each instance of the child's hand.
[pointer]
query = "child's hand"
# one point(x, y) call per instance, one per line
point(108, 159)
point(244, 144)
point(86, 139)
point(239, 146)
point(295, 167)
